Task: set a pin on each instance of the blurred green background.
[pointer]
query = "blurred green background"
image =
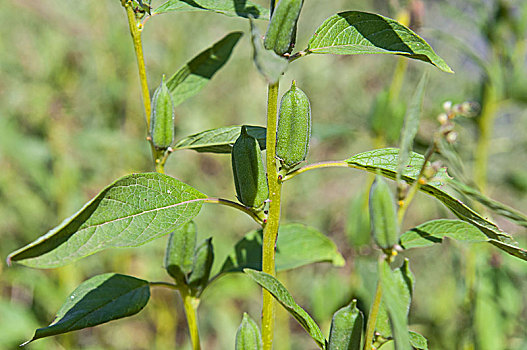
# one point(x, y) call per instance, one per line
point(71, 122)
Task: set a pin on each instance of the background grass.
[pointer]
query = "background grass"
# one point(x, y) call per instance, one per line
point(71, 122)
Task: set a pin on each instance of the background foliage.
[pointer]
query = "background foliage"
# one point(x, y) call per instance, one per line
point(71, 121)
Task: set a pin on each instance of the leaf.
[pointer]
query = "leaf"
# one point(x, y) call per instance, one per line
point(346, 328)
point(385, 160)
point(434, 231)
point(499, 208)
point(193, 76)
point(411, 126)
point(133, 210)
point(248, 336)
point(280, 293)
point(270, 65)
point(355, 32)
point(232, 8)
point(383, 217)
point(395, 305)
point(179, 255)
point(220, 140)
point(297, 245)
point(418, 341)
point(100, 299)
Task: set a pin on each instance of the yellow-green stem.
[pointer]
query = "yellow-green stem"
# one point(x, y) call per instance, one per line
point(485, 126)
point(191, 305)
point(273, 220)
point(372, 318)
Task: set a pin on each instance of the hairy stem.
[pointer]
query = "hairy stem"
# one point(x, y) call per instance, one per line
point(273, 220)
point(372, 317)
point(191, 305)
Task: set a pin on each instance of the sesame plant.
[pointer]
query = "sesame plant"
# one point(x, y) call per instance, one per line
point(138, 208)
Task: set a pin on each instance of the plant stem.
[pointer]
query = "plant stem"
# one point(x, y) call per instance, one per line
point(256, 217)
point(372, 317)
point(191, 305)
point(163, 284)
point(273, 221)
point(328, 164)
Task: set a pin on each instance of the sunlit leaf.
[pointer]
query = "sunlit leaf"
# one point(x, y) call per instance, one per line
point(133, 210)
point(355, 32)
point(280, 293)
point(240, 8)
point(193, 76)
point(98, 300)
point(220, 140)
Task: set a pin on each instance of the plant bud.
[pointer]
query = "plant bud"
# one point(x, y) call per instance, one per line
point(248, 336)
point(346, 328)
point(281, 33)
point(382, 214)
point(162, 117)
point(294, 127)
point(250, 178)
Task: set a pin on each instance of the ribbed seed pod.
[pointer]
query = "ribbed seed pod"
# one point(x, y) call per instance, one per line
point(203, 259)
point(249, 174)
point(382, 214)
point(346, 328)
point(281, 33)
point(179, 256)
point(162, 117)
point(248, 336)
point(294, 127)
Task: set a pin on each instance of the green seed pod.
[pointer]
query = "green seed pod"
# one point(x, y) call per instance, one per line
point(248, 169)
point(179, 256)
point(203, 259)
point(248, 336)
point(162, 117)
point(382, 214)
point(281, 33)
point(346, 328)
point(294, 127)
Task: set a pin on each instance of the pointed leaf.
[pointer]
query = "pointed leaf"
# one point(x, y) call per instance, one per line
point(232, 8)
point(280, 293)
point(385, 161)
point(193, 76)
point(220, 140)
point(346, 328)
point(179, 255)
point(133, 210)
point(411, 126)
point(98, 300)
point(434, 231)
point(248, 336)
point(355, 32)
point(270, 65)
point(297, 245)
point(395, 306)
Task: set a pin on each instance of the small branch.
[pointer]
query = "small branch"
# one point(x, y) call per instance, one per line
point(253, 214)
point(298, 54)
point(191, 306)
point(164, 284)
point(330, 164)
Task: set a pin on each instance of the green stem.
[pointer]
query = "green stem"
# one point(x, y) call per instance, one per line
point(329, 164)
point(163, 284)
point(191, 305)
point(253, 214)
point(273, 221)
point(372, 318)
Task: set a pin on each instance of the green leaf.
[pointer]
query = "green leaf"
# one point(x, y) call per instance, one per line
point(269, 64)
point(418, 341)
point(434, 231)
point(498, 207)
point(297, 245)
point(220, 140)
point(100, 299)
point(346, 328)
point(193, 76)
point(232, 8)
point(383, 217)
point(179, 255)
point(355, 32)
point(395, 306)
point(385, 161)
point(411, 126)
point(280, 293)
point(248, 336)
point(133, 210)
